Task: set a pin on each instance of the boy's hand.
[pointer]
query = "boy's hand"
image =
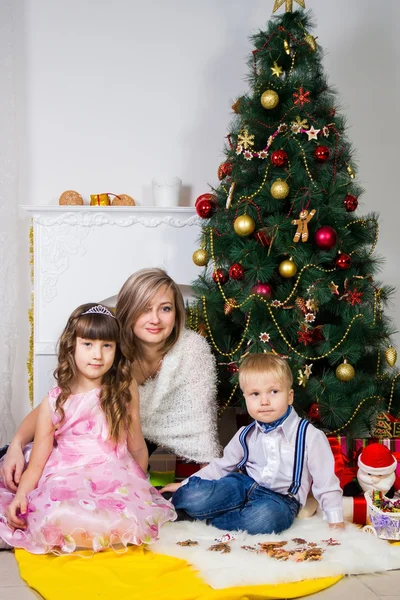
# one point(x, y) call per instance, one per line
point(336, 525)
point(17, 509)
point(170, 487)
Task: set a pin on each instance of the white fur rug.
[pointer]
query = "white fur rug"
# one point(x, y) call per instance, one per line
point(357, 552)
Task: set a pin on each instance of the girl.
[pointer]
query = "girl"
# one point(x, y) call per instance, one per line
point(85, 483)
point(173, 367)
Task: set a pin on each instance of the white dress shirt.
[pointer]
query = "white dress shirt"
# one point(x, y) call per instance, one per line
point(270, 464)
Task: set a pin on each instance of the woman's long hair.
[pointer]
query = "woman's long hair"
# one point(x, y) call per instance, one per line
point(115, 396)
point(134, 298)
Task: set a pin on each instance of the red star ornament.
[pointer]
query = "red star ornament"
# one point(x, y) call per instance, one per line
point(354, 297)
point(305, 336)
point(301, 98)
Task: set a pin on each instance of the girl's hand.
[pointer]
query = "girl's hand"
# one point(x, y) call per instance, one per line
point(17, 509)
point(12, 467)
point(170, 487)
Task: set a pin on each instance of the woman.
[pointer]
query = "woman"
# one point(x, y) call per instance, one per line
point(173, 367)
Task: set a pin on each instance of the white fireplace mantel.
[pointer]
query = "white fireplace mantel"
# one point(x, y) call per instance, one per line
point(85, 253)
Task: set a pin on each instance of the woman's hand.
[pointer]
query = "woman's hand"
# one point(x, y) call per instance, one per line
point(170, 487)
point(12, 467)
point(17, 509)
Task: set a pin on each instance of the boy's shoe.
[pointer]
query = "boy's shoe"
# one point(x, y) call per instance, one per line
point(4, 545)
point(3, 450)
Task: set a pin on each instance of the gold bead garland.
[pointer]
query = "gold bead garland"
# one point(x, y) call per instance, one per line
point(364, 223)
point(392, 392)
point(227, 403)
point(29, 362)
point(353, 415)
point(229, 354)
point(259, 189)
point(346, 333)
point(377, 303)
point(305, 161)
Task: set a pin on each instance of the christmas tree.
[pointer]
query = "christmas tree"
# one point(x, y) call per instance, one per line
point(290, 267)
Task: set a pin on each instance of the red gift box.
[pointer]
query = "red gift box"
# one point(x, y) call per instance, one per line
point(355, 509)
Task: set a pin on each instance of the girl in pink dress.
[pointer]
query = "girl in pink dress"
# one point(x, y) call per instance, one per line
point(85, 484)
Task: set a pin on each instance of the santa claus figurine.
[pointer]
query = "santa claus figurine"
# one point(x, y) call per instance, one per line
point(376, 471)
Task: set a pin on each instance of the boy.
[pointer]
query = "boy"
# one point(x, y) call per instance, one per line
point(279, 458)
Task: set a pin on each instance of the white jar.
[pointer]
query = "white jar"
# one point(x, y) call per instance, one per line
point(166, 191)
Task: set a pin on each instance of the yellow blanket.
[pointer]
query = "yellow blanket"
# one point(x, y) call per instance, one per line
point(139, 575)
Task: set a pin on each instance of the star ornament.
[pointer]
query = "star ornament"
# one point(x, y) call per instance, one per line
point(313, 133)
point(276, 70)
point(334, 288)
point(301, 98)
point(288, 5)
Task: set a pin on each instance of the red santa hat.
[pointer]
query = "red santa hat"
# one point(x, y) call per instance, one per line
point(377, 460)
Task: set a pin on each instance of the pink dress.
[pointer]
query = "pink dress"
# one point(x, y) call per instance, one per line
point(92, 494)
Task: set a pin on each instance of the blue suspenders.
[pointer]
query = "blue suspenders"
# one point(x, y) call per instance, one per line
point(299, 453)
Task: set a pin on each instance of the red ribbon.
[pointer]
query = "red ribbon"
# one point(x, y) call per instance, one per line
point(359, 510)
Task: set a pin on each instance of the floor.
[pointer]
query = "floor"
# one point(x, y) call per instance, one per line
point(385, 586)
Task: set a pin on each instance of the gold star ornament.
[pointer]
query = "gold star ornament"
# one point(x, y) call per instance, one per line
point(276, 70)
point(288, 5)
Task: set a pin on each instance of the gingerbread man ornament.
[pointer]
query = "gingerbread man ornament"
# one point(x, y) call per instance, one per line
point(302, 225)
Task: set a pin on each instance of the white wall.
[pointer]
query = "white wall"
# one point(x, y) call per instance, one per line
point(113, 93)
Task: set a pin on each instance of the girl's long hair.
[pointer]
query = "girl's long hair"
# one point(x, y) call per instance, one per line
point(134, 298)
point(115, 396)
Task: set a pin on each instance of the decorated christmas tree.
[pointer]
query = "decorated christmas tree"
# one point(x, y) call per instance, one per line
point(290, 266)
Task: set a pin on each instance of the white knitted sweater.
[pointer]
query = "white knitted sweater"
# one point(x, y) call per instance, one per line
point(178, 408)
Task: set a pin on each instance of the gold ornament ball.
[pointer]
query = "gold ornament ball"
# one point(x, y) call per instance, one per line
point(70, 198)
point(244, 225)
point(280, 189)
point(345, 372)
point(269, 99)
point(200, 257)
point(391, 356)
point(287, 268)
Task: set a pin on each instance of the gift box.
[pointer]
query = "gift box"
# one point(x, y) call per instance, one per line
point(341, 451)
point(355, 509)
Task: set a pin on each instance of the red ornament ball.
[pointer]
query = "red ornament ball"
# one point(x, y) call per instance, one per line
point(262, 238)
point(207, 196)
point(262, 289)
point(321, 153)
point(232, 368)
point(343, 261)
point(325, 237)
point(314, 412)
point(205, 207)
point(279, 158)
point(224, 170)
point(220, 275)
point(236, 271)
point(350, 203)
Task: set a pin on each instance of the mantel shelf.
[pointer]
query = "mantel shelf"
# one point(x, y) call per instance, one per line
point(171, 210)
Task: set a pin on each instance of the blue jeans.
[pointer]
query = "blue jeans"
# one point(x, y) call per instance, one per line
point(236, 502)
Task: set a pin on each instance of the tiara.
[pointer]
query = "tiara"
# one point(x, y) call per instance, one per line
point(98, 310)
